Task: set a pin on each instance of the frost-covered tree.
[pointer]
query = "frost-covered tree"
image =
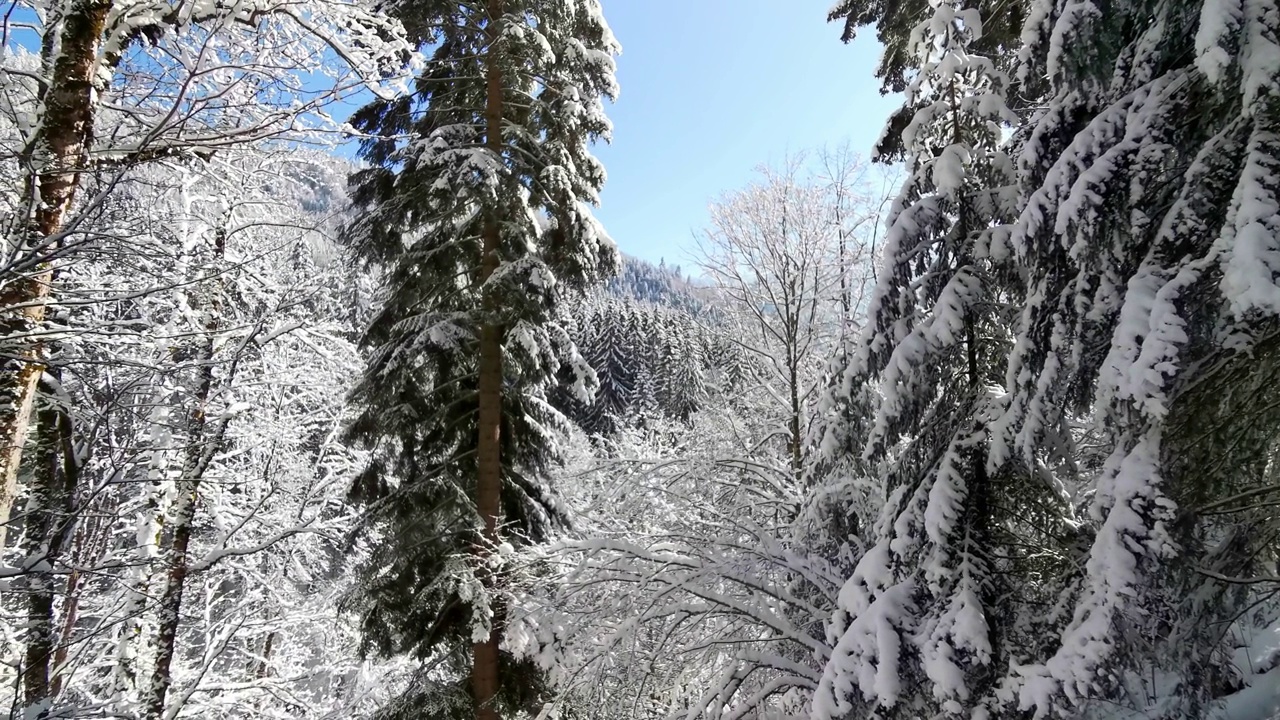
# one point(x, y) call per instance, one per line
point(781, 254)
point(188, 567)
point(649, 360)
point(478, 202)
point(674, 598)
point(1134, 449)
point(661, 284)
point(917, 634)
point(96, 86)
point(1150, 192)
point(702, 573)
point(681, 365)
point(609, 345)
point(897, 28)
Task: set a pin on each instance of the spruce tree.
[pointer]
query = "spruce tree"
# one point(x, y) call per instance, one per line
point(681, 387)
point(1150, 233)
point(649, 360)
point(915, 633)
point(645, 336)
point(477, 200)
point(611, 353)
point(897, 23)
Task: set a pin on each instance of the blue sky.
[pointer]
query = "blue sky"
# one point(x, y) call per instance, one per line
point(710, 90)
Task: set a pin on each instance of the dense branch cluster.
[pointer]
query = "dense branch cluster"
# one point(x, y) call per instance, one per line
point(986, 429)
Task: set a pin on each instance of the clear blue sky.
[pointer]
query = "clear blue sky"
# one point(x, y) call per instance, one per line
point(713, 88)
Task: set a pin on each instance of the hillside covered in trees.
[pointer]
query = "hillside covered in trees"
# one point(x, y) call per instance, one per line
point(985, 425)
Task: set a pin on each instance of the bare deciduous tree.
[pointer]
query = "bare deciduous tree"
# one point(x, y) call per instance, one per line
point(115, 84)
point(789, 256)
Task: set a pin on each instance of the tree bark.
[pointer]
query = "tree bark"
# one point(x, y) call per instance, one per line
point(199, 453)
point(70, 614)
point(171, 604)
point(59, 152)
point(203, 441)
point(47, 512)
point(485, 655)
point(796, 441)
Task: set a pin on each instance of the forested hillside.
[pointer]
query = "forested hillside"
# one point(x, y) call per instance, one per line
point(986, 425)
point(660, 284)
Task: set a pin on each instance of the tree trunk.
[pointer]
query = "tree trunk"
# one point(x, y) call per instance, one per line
point(796, 441)
point(484, 674)
point(148, 529)
point(47, 512)
point(199, 453)
point(59, 151)
point(203, 442)
point(485, 658)
point(171, 603)
point(70, 614)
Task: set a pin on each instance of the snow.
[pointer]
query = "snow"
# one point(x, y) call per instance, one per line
point(865, 661)
point(1133, 534)
point(1074, 22)
point(1219, 19)
point(1260, 700)
point(1109, 266)
point(949, 171)
point(1251, 270)
point(1260, 56)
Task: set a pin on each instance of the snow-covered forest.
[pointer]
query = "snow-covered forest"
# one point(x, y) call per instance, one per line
point(980, 422)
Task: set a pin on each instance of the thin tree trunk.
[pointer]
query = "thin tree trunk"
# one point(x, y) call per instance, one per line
point(203, 443)
point(148, 530)
point(797, 442)
point(88, 540)
point(485, 658)
point(846, 314)
point(199, 452)
point(264, 664)
point(170, 608)
point(44, 532)
point(70, 614)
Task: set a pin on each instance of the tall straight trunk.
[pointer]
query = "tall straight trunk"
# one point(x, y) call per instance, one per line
point(48, 511)
point(148, 530)
point(796, 441)
point(485, 658)
point(59, 152)
point(846, 301)
point(170, 607)
point(203, 441)
point(70, 614)
point(90, 538)
point(204, 438)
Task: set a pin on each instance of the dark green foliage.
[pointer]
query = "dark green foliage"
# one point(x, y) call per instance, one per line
point(649, 361)
point(895, 22)
point(434, 185)
point(1147, 192)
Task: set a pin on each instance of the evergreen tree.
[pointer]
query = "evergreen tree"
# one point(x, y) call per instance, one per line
point(649, 360)
point(914, 636)
point(609, 350)
point(1150, 231)
point(663, 285)
point(681, 388)
point(646, 337)
point(897, 24)
point(483, 216)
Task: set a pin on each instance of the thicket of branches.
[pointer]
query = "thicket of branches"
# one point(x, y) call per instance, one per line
point(986, 429)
